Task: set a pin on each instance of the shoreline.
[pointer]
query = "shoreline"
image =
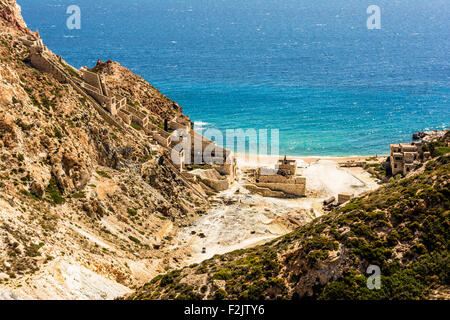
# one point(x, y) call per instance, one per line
point(246, 160)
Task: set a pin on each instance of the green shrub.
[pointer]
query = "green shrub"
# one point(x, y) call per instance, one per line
point(33, 250)
point(220, 294)
point(134, 239)
point(223, 274)
point(57, 133)
point(103, 174)
point(79, 195)
point(54, 192)
point(132, 212)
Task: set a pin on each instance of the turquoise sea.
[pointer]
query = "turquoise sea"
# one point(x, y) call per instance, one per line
point(311, 68)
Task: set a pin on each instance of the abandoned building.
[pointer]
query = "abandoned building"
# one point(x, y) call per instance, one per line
point(279, 182)
point(406, 157)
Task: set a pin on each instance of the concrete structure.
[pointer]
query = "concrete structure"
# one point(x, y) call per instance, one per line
point(283, 179)
point(115, 110)
point(287, 167)
point(405, 157)
point(173, 125)
point(95, 85)
point(45, 61)
point(31, 41)
point(345, 197)
point(178, 159)
point(296, 188)
point(212, 179)
point(137, 116)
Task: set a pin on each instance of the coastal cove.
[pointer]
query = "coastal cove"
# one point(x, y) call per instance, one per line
point(111, 190)
point(332, 87)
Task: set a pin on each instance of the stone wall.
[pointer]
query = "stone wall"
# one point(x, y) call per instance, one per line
point(410, 157)
point(137, 116)
point(212, 179)
point(92, 79)
point(296, 189)
point(100, 98)
point(178, 159)
point(124, 115)
point(276, 178)
point(39, 62)
point(265, 192)
point(45, 64)
point(344, 197)
point(164, 141)
point(103, 84)
point(178, 126)
point(404, 157)
point(120, 102)
point(87, 86)
point(287, 167)
point(228, 169)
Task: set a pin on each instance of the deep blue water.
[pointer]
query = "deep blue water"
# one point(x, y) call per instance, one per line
point(311, 69)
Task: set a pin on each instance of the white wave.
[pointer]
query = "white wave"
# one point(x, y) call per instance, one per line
point(199, 125)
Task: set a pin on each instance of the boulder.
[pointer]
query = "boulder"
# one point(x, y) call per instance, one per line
point(37, 189)
point(94, 209)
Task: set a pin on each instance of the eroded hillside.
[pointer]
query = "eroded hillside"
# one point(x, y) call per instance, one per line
point(86, 209)
point(402, 227)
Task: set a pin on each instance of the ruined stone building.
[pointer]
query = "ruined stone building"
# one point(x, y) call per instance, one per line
point(95, 86)
point(116, 111)
point(406, 157)
point(283, 181)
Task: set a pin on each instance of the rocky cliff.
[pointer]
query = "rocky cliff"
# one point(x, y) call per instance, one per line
point(402, 228)
point(86, 209)
point(10, 12)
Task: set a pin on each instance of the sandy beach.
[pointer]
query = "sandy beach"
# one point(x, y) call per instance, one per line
point(251, 161)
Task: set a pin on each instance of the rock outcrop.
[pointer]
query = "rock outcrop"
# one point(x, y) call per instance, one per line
point(10, 11)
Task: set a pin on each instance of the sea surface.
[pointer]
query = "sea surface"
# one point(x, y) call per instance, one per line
point(310, 69)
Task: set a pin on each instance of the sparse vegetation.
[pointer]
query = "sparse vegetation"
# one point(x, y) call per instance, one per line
point(437, 148)
point(33, 250)
point(407, 213)
point(136, 126)
point(134, 239)
point(103, 174)
point(54, 193)
point(79, 195)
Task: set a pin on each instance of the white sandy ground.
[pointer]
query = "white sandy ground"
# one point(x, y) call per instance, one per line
point(242, 219)
point(64, 280)
point(252, 161)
